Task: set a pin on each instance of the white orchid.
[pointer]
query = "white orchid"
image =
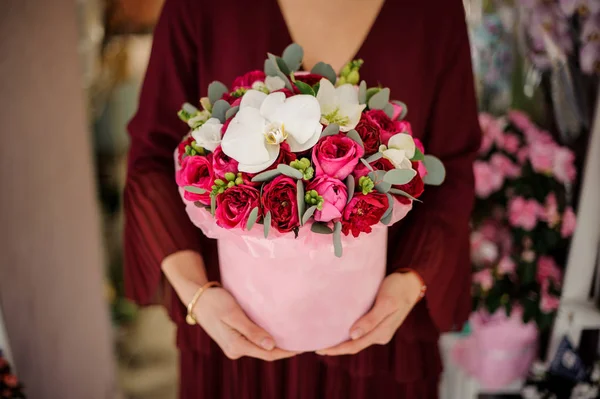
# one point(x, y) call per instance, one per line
point(400, 150)
point(264, 121)
point(208, 135)
point(339, 105)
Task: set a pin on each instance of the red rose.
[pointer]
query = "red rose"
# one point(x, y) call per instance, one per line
point(11, 381)
point(388, 126)
point(369, 132)
point(310, 79)
point(234, 206)
point(279, 197)
point(246, 80)
point(287, 92)
point(286, 156)
point(181, 148)
point(415, 187)
point(336, 156)
point(196, 171)
point(222, 164)
point(362, 212)
point(399, 127)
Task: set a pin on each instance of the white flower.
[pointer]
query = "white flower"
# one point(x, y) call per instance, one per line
point(274, 83)
point(339, 105)
point(264, 122)
point(208, 135)
point(400, 150)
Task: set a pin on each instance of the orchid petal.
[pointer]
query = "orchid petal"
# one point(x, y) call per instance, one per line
point(298, 147)
point(327, 96)
point(353, 112)
point(403, 141)
point(244, 140)
point(255, 168)
point(270, 106)
point(208, 135)
point(347, 94)
point(299, 116)
point(253, 99)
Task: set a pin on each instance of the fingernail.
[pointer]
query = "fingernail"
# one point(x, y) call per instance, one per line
point(356, 333)
point(267, 344)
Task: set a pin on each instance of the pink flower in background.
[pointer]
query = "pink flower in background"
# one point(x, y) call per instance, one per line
point(563, 166)
point(589, 56)
point(483, 250)
point(486, 145)
point(541, 156)
point(484, 278)
point(506, 266)
point(569, 222)
point(487, 179)
point(549, 303)
point(511, 143)
point(523, 155)
point(520, 120)
point(570, 7)
point(547, 270)
point(550, 212)
point(523, 213)
point(505, 166)
point(335, 196)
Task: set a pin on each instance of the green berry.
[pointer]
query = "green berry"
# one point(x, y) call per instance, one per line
point(221, 190)
point(239, 181)
point(341, 81)
point(219, 182)
point(345, 70)
point(314, 194)
point(353, 77)
point(230, 176)
point(230, 184)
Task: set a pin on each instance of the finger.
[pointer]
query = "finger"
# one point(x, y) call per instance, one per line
point(383, 307)
point(240, 347)
point(253, 333)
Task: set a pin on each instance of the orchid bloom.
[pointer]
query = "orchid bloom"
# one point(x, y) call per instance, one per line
point(208, 135)
point(400, 150)
point(264, 121)
point(339, 105)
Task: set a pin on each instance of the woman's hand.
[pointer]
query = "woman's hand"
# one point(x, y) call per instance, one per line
point(397, 296)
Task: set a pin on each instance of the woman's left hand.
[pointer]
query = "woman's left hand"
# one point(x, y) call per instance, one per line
point(397, 296)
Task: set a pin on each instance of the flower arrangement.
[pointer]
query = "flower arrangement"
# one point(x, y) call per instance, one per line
point(10, 387)
point(522, 220)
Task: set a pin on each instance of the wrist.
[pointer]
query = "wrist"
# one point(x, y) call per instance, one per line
point(417, 286)
point(185, 272)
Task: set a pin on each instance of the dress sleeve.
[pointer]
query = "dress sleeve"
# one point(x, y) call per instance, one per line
point(156, 224)
point(434, 239)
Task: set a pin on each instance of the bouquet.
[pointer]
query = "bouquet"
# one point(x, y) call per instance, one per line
point(10, 387)
point(287, 169)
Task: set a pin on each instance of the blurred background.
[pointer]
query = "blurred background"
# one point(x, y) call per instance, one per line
point(536, 67)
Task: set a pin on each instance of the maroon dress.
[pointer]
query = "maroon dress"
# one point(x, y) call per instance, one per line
point(420, 50)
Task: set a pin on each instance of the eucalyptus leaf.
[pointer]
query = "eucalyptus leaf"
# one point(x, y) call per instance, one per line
point(436, 172)
point(281, 65)
point(300, 198)
point(289, 171)
point(286, 80)
point(304, 88)
point(378, 178)
point(216, 90)
point(383, 187)
point(399, 176)
point(351, 186)
point(330, 130)
point(371, 91)
point(231, 112)
point(337, 239)
point(418, 155)
point(271, 68)
point(389, 110)
point(189, 108)
point(353, 134)
point(380, 99)
point(325, 70)
point(220, 108)
point(195, 190)
point(386, 218)
point(320, 228)
point(308, 214)
point(366, 164)
point(374, 157)
point(267, 224)
point(362, 92)
point(396, 191)
point(252, 218)
point(293, 55)
point(404, 109)
point(213, 204)
point(267, 175)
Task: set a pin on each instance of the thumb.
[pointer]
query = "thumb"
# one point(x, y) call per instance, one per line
point(381, 310)
point(252, 332)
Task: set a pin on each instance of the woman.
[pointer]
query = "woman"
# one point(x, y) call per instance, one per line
point(418, 49)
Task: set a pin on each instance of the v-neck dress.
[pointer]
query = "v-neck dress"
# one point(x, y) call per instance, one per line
point(420, 50)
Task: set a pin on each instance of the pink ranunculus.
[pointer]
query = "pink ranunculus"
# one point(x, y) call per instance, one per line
point(569, 222)
point(246, 80)
point(335, 196)
point(487, 179)
point(397, 111)
point(505, 166)
point(550, 212)
point(223, 164)
point(336, 156)
point(484, 279)
point(541, 156)
point(235, 205)
point(547, 270)
point(506, 266)
point(279, 197)
point(196, 171)
point(563, 167)
point(523, 213)
point(511, 143)
point(421, 166)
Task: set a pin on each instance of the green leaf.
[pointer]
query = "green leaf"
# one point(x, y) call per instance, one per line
point(436, 173)
point(366, 164)
point(337, 239)
point(271, 68)
point(351, 186)
point(213, 204)
point(289, 171)
point(304, 88)
point(383, 187)
point(374, 157)
point(389, 110)
point(353, 134)
point(195, 190)
point(362, 92)
point(216, 90)
point(330, 130)
point(300, 197)
point(325, 70)
point(419, 156)
point(386, 218)
point(252, 218)
point(267, 175)
point(293, 55)
point(220, 108)
point(308, 214)
point(281, 65)
point(399, 176)
point(371, 91)
point(231, 112)
point(316, 87)
point(378, 177)
point(320, 228)
point(267, 224)
point(380, 99)
point(404, 194)
point(404, 109)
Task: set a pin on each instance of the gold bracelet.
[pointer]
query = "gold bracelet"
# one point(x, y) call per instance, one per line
point(190, 318)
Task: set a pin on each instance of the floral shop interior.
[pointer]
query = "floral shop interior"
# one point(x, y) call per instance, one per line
point(70, 329)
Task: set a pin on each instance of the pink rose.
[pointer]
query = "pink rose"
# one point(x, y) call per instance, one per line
point(397, 111)
point(196, 171)
point(511, 143)
point(505, 166)
point(563, 167)
point(569, 222)
point(335, 196)
point(234, 206)
point(506, 266)
point(421, 166)
point(484, 279)
point(336, 156)
point(547, 270)
point(487, 179)
point(387, 126)
point(246, 80)
point(541, 156)
point(523, 213)
point(222, 164)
